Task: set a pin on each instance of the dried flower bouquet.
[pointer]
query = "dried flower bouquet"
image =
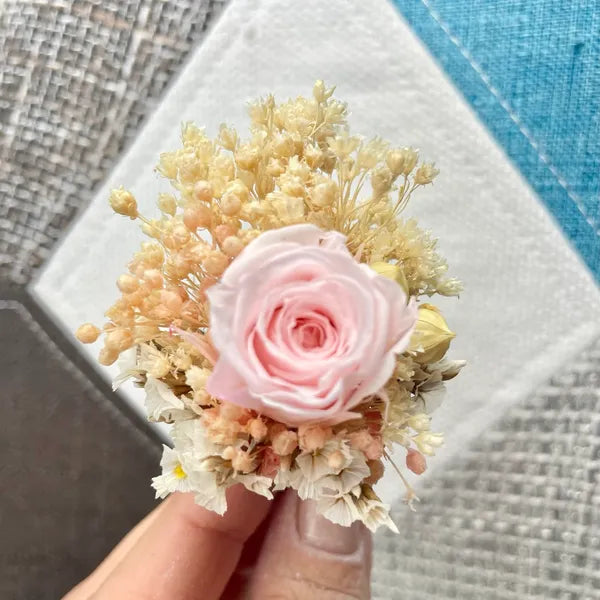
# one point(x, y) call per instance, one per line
point(274, 318)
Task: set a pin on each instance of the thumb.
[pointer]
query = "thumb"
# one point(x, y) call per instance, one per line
point(306, 556)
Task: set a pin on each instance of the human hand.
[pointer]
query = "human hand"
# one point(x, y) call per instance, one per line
point(257, 550)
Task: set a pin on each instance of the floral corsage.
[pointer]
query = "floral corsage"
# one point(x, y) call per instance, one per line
point(274, 319)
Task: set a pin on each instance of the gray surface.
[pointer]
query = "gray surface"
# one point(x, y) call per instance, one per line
point(74, 473)
point(518, 515)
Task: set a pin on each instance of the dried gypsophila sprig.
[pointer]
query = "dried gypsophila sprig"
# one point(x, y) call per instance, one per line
point(300, 166)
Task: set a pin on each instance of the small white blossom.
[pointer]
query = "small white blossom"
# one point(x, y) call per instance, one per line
point(256, 483)
point(349, 477)
point(128, 367)
point(315, 465)
point(190, 438)
point(162, 404)
point(317, 472)
point(174, 477)
point(338, 509)
point(212, 498)
point(373, 513)
point(430, 394)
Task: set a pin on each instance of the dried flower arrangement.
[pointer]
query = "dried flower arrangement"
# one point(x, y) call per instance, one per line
point(273, 319)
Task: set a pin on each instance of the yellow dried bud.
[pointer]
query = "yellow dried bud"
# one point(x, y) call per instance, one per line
point(329, 161)
point(120, 313)
point(107, 356)
point(228, 453)
point(238, 188)
point(123, 203)
point(288, 208)
point(427, 442)
point(395, 160)
point(393, 272)
point(257, 429)
point(127, 283)
point(152, 228)
point(243, 462)
point(168, 165)
point(319, 91)
point(324, 194)
point(215, 263)
point(87, 333)
point(190, 167)
point(432, 336)
point(167, 204)
point(425, 174)
point(313, 156)
point(159, 366)
point(179, 264)
point(336, 460)
point(196, 377)
point(203, 191)
point(153, 278)
point(293, 186)
point(144, 333)
point(227, 137)
point(222, 232)
point(171, 300)
point(283, 146)
point(232, 246)
point(182, 360)
point(275, 167)
point(197, 216)
point(410, 160)
point(419, 422)
point(118, 340)
point(247, 157)
point(152, 254)
point(231, 204)
point(284, 442)
point(313, 437)
point(180, 235)
point(381, 181)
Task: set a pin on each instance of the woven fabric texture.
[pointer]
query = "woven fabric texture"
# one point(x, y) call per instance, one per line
point(76, 81)
point(515, 517)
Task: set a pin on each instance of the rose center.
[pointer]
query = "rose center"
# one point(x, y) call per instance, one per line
point(309, 335)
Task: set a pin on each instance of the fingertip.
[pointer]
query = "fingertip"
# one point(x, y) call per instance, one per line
point(245, 511)
point(307, 555)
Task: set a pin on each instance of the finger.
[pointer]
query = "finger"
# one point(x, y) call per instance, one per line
point(187, 552)
point(238, 583)
point(306, 556)
point(90, 584)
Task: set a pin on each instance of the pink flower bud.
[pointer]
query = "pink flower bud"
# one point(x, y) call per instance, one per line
point(270, 463)
point(416, 462)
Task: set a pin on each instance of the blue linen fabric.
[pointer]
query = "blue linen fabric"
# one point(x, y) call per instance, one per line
point(531, 71)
